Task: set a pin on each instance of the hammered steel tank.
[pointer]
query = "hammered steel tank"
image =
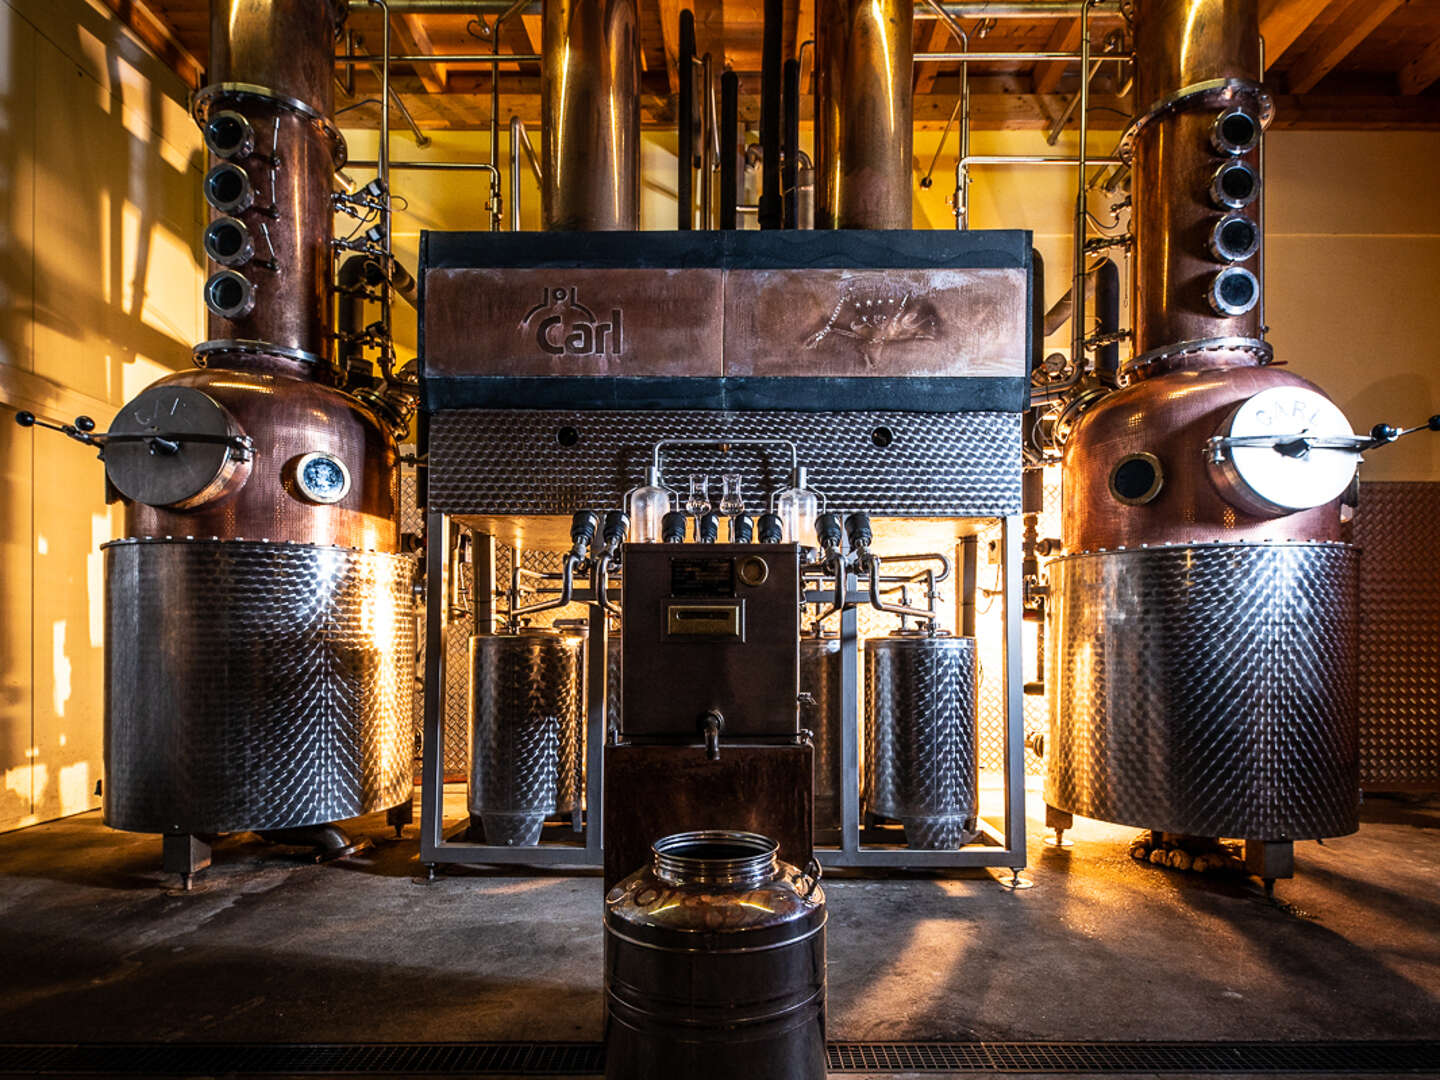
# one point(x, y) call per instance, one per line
point(1203, 615)
point(259, 628)
point(715, 964)
point(920, 739)
point(526, 724)
point(820, 674)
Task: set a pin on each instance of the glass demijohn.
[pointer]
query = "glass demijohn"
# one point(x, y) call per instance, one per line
point(797, 506)
point(648, 506)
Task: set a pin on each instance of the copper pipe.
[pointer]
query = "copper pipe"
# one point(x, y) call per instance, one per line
point(272, 72)
point(1181, 45)
point(864, 110)
point(589, 90)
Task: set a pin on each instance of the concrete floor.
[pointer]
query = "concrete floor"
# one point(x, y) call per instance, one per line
point(97, 944)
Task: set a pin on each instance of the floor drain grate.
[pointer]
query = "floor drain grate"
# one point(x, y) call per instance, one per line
point(588, 1059)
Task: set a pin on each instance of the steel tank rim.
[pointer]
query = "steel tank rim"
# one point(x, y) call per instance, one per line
point(236, 541)
point(1221, 545)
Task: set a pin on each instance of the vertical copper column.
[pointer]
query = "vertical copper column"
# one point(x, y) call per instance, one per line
point(863, 133)
point(1197, 71)
point(589, 91)
point(266, 116)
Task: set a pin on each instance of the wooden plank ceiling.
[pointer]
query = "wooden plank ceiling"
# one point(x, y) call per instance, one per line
point(1351, 64)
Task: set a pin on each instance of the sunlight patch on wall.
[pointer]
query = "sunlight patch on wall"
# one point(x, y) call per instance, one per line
point(75, 788)
point(95, 577)
point(60, 667)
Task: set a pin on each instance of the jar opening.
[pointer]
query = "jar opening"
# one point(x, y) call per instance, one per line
point(715, 857)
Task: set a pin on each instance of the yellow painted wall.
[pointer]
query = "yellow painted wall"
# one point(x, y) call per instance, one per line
point(100, 275)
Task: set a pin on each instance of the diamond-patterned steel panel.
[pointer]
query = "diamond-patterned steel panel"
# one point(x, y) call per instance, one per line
point(255, 685)
point(887, 463)
point(1399, 634)
point(1207, 689)
point(920, 765)
point(527, 724)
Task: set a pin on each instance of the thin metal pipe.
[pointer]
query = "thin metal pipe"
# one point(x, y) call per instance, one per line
point(515, 153)
point(1017, 57)
point(530, 155)
point(342, 60)
point(961, 195)
point(707, 150)
point(382, 169)
point(421, 139)
point(1064, 118)
point(1021, 159)
point(1077, 275)
point(960, 9)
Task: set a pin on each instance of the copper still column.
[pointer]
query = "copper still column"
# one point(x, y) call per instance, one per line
point(864, 127)
point(1203, 676)
point(259, 636)
point(590, 108)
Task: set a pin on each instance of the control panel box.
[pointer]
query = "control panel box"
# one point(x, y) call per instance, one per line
point(710, 627)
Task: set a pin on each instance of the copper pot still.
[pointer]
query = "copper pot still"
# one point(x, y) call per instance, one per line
point(1202, 673)
point(259, 587)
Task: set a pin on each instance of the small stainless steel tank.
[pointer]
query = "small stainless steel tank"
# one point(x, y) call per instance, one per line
point(920, 759)
point(715, 964)
point(525, 726)
point(820, 674)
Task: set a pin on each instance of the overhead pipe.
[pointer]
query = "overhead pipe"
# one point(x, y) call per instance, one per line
point(685, 142)
point(790, 154)
point(959, 9)
point(771, 203)
point(864, 114)
point(589, 102)
point(729, 148)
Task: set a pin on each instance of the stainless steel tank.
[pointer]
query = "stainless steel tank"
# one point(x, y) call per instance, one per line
point(920, 742)
point(525, 731)
point(255, 685)
point(820, 674)
point(715, 964)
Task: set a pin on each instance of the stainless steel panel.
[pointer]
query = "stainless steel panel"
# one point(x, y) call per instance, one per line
point(582, 321)
point(1207, 689)
point(1399, 634)
point(255, 685)
point(876, 322)
point(820, 674)
point(920, 737)
point(494, 461)
point(527, 719)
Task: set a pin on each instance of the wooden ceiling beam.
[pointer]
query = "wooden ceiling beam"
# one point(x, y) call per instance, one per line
point(1064, 38)
point(161, 38)
point(415, 39)
point(1283, 21)
point(925, 74)
point(1421, 71)
point(1354, 22)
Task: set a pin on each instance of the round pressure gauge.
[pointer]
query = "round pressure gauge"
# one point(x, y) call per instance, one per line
point(322, 477)
point(1262, 464)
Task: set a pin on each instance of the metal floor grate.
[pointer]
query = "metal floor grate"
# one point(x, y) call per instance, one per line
point(588, 1059)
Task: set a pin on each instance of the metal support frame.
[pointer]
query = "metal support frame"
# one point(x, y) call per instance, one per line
point(435, 846)
point(1003, 847)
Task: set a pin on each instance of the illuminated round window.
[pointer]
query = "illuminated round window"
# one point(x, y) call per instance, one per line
point(322, 478)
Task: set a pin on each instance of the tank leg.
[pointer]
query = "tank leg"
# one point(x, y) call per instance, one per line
point(400, 816)
point(184, 854)
point(429, 871)
point(1059, 820)
point(1270, 859)
point(1014, 881)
